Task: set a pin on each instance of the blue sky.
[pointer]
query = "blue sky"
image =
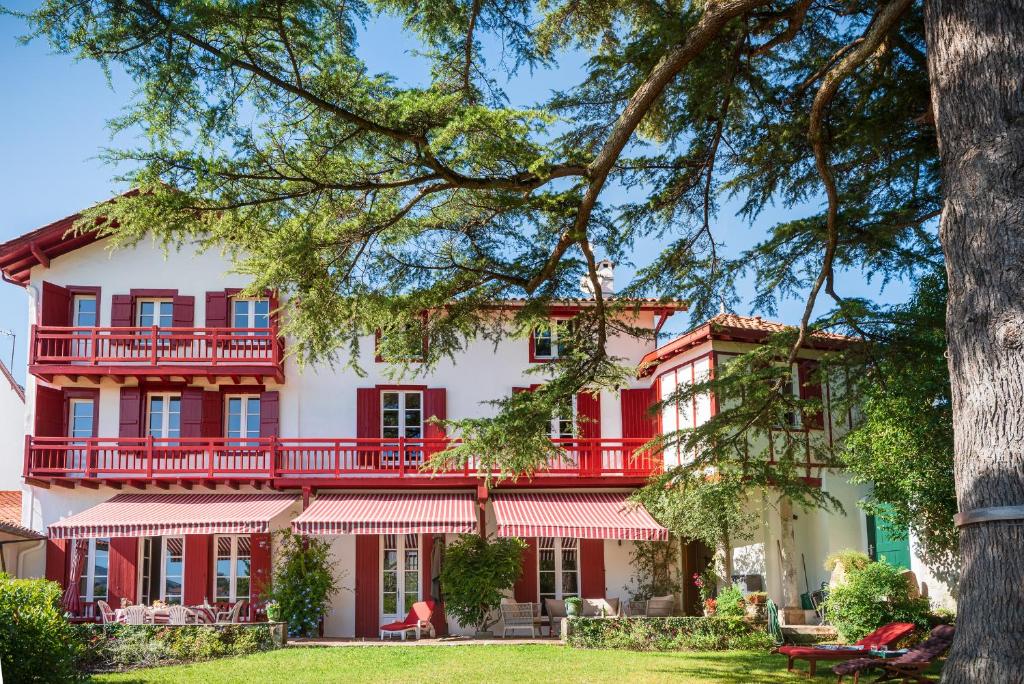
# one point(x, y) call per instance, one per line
point(54, 117)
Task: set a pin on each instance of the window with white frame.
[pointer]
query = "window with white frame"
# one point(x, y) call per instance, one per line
point(83, 311)
point(93, 584)
point(172, 579)
point(401, 415)
point(251, 314)
point(400, 574)
point(793, 419)
point(158, 312)
point(564, 427)
point(146, 570)
point(81, 418)
point(163, 417)
point(552, 341)
point(242, 416)
point(231, 568)
point(558, 567)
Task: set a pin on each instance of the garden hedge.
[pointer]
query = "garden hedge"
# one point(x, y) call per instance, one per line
point(668, 634)
point(124, 647)
point(37, 644)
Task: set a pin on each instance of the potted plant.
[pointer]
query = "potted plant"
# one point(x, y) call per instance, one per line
point(476, 575)
point(710, 607)
point(273, 611)
point(757, 602)
point(573, 606)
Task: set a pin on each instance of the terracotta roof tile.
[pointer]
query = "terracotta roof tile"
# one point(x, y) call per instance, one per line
point(10, 507)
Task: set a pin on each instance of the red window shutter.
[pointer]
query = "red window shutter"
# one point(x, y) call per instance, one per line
point(367, 585)
point(259, 571)
point(192, 412)
point(57, 560)
point(438, 619)
point(213, 419)
point(435, 403)
point(637, 420)
point(588, 420)
point(121, 311)
point(198, 564)
point(526, 589)
point(55, 309)
point(592, 579)
point(184, 311)
point(216, 310)
point(368, 423)
point(270, 414)
point(50, 418)
point(517, 390)
point(131, 412)
point(810, 388)
point(123, 570)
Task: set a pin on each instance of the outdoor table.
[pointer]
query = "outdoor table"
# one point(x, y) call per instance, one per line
point(160, 616)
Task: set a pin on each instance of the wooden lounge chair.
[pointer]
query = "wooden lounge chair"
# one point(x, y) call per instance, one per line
point(908, 667)
point(886, 635)
point(416, 621)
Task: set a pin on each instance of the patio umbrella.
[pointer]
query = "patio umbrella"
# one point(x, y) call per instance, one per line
point(70, 602)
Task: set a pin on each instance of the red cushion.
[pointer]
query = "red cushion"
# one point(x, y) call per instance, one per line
point(888, 634)
point(395, 626)
point(812, 653)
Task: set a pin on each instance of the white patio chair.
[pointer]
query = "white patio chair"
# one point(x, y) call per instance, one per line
point(233, 615)
point(105, 611)
point(517, 616)
point(180, 615)
point(137, 615)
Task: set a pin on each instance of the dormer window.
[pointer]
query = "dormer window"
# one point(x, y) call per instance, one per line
point(551, 341)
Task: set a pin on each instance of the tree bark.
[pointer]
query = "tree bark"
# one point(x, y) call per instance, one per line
point(787, 553)
point(976, 69)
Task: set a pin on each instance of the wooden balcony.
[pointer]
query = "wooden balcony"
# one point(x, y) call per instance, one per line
point(155, 352)
point(309, 462)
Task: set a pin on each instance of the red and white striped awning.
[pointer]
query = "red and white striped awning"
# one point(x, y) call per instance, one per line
point(583, 516)
point(144, 515)
point(388, 514)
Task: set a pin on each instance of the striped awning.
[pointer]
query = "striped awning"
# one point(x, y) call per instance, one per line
point(583, 516)
point(144, 515)
point(388, 514)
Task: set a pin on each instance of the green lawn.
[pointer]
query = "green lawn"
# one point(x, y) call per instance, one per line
point(476, 664)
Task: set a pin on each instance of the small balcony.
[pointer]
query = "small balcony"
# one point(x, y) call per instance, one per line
point(155, 352)
point(308, 462)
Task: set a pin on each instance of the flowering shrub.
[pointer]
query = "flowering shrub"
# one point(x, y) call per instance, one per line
point(873, 595)
point(667, 634)
point(303, 582)
point(37, 643)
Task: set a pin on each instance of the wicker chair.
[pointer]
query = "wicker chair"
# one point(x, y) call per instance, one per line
point(517, 616)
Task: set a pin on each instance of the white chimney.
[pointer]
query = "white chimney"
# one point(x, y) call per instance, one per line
point(605, 276)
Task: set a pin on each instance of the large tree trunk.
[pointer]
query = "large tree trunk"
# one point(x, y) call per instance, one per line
point(976, 67)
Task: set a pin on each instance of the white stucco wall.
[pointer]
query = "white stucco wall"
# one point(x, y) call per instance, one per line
point(12, 435)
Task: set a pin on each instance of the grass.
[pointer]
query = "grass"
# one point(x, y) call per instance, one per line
point(520, 664)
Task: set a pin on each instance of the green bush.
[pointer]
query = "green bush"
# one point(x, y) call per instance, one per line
point(729, 602)
point(874, 595)
point(303, 582)
point(852, 560)
point(476, 574)
point(125, 647)
point(37, 644)
point(668, 634)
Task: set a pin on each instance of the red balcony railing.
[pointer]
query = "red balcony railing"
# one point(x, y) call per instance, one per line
point(313, 459)
point(155, 346)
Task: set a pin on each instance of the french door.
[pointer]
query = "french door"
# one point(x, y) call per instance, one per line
point(400, 575)
point(401, 416)
point(81, 417)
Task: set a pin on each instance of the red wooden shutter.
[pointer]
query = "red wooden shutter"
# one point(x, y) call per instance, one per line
point(368, 423)
point(184, 311)
point(438, 619)
point(57, 560)
point(216, 310)
point(50, 418)
point(592, 568)
point(588, 414)
point(213, 419)
point(55, 308)
point(526, 589)
point(259, 571)
point(810, 388)
point(435, 405)
point(123, 570)
point(639, 424)
point(197, 568)
point(121, 311)
point(367, 585)
point(131, 412)
point(270, 414)
point(517, 390)
point(192, 412)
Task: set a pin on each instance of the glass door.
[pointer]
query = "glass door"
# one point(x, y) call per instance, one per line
point(400, 575)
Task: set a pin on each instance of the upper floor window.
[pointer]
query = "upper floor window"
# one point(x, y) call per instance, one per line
point(164, 415)
point(232, 567)
point(242, 417)
point(563, 427)
point(80, 417)
point(93, 584)
point(791, 388)
point(154, 312)
point(83, 314)
point(401, 414)
point(551, 341)
point(252, 314)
